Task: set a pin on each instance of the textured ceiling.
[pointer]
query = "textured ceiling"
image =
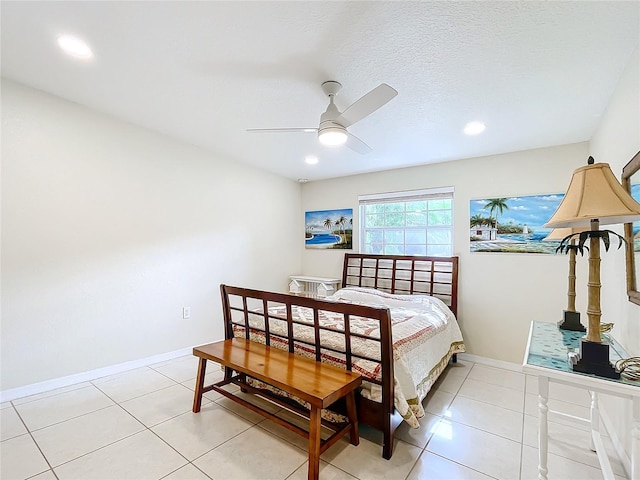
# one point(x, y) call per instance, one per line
point(537, 73)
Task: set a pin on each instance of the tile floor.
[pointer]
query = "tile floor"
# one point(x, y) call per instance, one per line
point(480, 424)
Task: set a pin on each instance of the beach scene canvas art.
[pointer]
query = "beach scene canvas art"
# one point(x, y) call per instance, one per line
point(329, 229)
point(513, 224)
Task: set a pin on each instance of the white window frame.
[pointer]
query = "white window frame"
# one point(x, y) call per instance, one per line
point(405, 196)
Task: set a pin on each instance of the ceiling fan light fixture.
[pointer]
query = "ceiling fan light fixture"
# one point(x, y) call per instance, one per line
point(332, 136)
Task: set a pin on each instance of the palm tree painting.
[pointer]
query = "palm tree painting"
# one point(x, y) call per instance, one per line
point(499, 205)
point(329, 229)
point(512, 224)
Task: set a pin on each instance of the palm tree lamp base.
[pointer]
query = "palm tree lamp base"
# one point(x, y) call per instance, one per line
point(571, 321)
point(594, 358)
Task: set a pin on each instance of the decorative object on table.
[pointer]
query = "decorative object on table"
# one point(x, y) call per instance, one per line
point(606, 327)
point(629, 367)
point(571, 317)
point(631, 183)
point(512, 224)
point(329, 229)
point(594, 197)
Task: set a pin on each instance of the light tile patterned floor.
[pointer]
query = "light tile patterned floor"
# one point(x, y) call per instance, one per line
point(480, 424)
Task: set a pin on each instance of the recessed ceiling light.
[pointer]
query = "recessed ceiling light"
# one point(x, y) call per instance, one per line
point(74, 46)
point(474, 128)
point(311, 159)
point(303, 180)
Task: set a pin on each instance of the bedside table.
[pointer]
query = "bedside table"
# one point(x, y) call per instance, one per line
point(547, 358)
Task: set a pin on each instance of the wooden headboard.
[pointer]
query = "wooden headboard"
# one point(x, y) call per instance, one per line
point(403, 274)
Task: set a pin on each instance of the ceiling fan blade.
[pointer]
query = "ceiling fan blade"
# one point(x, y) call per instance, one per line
point(357, 145)
point(282, 130)
point(366, 105)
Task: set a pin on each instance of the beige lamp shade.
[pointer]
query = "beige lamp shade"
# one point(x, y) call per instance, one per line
point(594, 194)
point(558, 234)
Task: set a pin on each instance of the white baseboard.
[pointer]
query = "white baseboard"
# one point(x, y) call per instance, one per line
point(40, 387)
point(490, 362)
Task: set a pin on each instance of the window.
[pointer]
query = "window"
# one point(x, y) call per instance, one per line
point(418, 222)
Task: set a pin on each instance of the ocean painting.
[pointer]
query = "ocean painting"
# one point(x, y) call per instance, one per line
point(324, 229)
point(513, 224)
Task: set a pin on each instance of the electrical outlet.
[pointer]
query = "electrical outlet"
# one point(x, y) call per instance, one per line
point(186, 313)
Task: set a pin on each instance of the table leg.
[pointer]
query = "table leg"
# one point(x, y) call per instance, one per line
point(543, 427)
point(595, 418)
point(635, 440)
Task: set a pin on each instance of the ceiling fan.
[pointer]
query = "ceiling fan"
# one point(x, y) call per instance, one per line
point(333, 123)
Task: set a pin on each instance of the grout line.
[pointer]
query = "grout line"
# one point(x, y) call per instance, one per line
point(519, 389)
point(99, 448)
point(415, 462)
point(461, 464)
point(103, 446)
point(42, 473)
point(413, 467)
point(108, 444)
point(66, 419)
point(36, 444)
point(482, 430)
point(489, 403)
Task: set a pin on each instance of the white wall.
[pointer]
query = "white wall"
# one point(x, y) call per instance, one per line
point(108, 230)
point(616, 141)
point(499, 294)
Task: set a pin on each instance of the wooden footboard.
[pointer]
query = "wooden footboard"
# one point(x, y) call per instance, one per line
point(322, 330)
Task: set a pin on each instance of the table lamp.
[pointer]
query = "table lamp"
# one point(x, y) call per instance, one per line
point(571, 318)
point(594, 197)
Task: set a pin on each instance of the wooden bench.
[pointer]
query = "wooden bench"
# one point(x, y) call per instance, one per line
point(317, 383)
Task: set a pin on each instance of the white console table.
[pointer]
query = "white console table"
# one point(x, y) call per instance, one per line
point(313, 286)
point(546, 357)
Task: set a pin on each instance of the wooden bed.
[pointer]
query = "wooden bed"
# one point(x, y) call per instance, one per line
point(299, 324)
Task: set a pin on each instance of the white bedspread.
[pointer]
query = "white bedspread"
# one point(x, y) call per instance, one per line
point(425, 334)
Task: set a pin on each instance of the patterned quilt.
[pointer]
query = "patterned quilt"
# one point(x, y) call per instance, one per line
point(424, 330)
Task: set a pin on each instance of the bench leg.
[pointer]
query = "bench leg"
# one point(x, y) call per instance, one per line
point(314, 443)
point(197, 395)
point(353, 419)
point(243, 379)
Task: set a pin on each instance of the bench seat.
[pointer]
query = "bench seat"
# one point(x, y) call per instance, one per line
point(316, 383)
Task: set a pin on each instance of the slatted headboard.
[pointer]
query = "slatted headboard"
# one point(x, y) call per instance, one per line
point(436, 276)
